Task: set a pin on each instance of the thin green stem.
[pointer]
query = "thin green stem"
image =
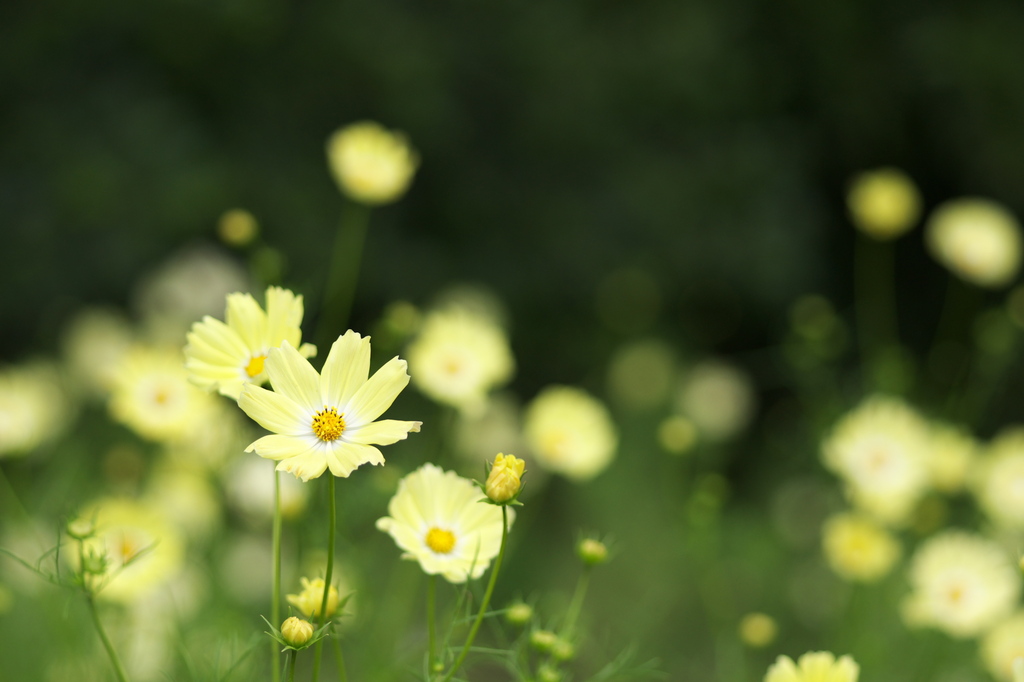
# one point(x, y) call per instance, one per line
point(342, 675)
point(292, 655)
point(576, 605)
point(275, 606)
point(487, 598)
point(332, 526)
point(431, 633)
point(875, 299)
point(344, 273)
point(114, 660)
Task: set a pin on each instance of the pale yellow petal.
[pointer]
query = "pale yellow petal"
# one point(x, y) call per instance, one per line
point(310, 464)
point(278, 447)
point(274, 412)
point(346, 368)
point(377, 394)
point(284, 315)
point(213, 341)
point(384, 432)
point(345, 458)
point(292, 375)
point(245, 316)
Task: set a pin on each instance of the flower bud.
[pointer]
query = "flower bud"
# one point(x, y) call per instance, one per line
point(81, 529)
point(592, 552)
point(309, 600)
point(296, 632)
point(505, 479)
point(562, 650)
point(519, 613)
point(548, 673)
point(884, 203)
point(237, 227)
point(543, 640)
point(758, 630)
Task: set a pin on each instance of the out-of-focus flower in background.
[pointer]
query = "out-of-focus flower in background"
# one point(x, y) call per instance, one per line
point(998, 480)
point(883, 203)
point(976, 239)
point(814, 666)
point(951, 456)
point(94, 342)
point(570, 432)
point(34, 408)
point(237, 227)
point(372, 165)
point(437, 519)
point(857, 548)
point(718, 398)
point(310, 599)
point(961, 583)
point(1002, 646)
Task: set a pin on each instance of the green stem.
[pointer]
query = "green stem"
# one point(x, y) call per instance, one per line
point(114, 660)
point(344, 272)
point(576, 605)
point(431, 634)
point(292, 655)
point(487, 598)
point(275, 606)
point(877, 324)
point(332, 523)
point(342, 675)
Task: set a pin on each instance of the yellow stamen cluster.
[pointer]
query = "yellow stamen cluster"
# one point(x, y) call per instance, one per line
point(255, 366)
point(440, 541)
point(328, 425)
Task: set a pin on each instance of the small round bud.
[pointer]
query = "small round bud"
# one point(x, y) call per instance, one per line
point(519, 613)
point(758, 630)
point(237, 227)
point(883, 203)
point(296, 632)
point(562, 650)
point(81, 529)
point(505, 479)
point(543, 640)
point(94, 562)
point(548, 673)
point(592, 552)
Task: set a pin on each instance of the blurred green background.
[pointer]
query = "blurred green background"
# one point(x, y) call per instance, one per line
point(698, 151)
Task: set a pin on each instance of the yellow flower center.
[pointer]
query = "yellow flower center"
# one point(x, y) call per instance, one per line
point(328, 425)
point(255, 366)
point(440, 541)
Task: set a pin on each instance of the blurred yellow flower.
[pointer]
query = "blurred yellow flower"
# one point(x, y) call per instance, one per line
point(34, 409)
point(857, 548)
point(677, 434)
point(505, 479)
point(718, 398)
point(953, 453)
point(998, 480)
point(371, 164)
point(1002, 646)
point(151, 395)
point(814, 666)
point(459, 357)
point(880, 450)
point(143, 549)
point(225, 356)
point(977, 239)
point(326, 420)
point(570, 432)
point(758, 630)
point(437, 518)
point(237, 227)
point(883, 203)
point(308, 601)
point(94, 343)
point(961, 584)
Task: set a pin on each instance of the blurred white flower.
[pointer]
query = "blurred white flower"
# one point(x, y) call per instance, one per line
point(998, 480)
point(977, 239)
point(718, 398)
point(1002, 646)
point(570, 432)
point(34, 408)
point(371, 164)
point(857, 548)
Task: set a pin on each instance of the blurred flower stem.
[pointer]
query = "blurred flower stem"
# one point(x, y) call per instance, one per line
point(486, 600)
point(332, 528)
point(342, 675)
point(114, 660)
point(572, 614)
point(275, 606)
point(949, 356)
point(877, 323)
point(343, 274)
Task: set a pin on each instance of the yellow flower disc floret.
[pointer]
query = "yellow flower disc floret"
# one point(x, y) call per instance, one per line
point(440, 541)
point(255, 366)
point(328, 425)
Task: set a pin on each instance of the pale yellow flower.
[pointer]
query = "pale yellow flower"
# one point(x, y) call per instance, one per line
point(641, 374)
point(151, 395)
point(718, 398)
point(758, 630)
point(371, 164)
point(883, 203)
point(326, 420)
point(436, 518)
point(94, 343)
point(570, 432)
point(953, 453)
point(505, 478)
point(814, 666)
point(857, 548)
point(309, 600)
point(143, 549)
point(1002, 646)
point(977, 239)
point(459, 357)
point(34, 409)
point(998, 480)
point(237, 227)
point(224, 356)
point(961, 584)
point(881, 449)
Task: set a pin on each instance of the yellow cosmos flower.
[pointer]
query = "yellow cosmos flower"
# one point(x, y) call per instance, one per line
point(437, 518)
point(998, 480)
point(570, 432)
point(371, 164)
point(1002, 646)
point(326, 420)
point(857, 548)
point(312, 596)
point(978, 240)
point(30, 397)
point(225, 356)
point(814, 666)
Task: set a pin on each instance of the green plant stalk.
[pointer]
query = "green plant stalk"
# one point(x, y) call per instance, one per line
point(487, 598)
point(292, 655)
point(431, 634)
point(877, 324)
point(576, 605)
point(114, 660)
point(344, 273)
point(342, 675)
point(275, 606)
point(332, 523)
